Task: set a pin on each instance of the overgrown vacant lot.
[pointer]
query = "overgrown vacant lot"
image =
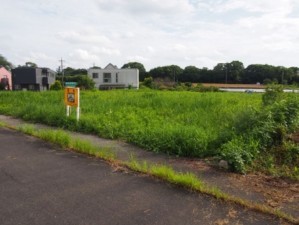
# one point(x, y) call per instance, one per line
point(236, 127)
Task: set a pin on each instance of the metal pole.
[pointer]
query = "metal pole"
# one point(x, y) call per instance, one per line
point(226, 74)
point(62, 71)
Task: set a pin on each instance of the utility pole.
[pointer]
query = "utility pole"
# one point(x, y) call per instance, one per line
point(174, 75)
point(62, 71)
point(226, 74)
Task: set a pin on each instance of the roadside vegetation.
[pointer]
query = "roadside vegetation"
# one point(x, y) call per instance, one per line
point(186, 180)
point(249, 131)
point(64, 140)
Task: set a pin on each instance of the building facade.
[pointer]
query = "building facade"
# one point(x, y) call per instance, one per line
point(113, 78)
point(34, 79)
point(5, 79)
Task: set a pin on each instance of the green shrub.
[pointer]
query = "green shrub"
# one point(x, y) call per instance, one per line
point(240, 153)
point(262, 131)
point(148, 82)
point(56, 86)
point(274, 93)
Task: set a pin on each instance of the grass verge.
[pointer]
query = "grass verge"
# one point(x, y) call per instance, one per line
point(163, 172)
point(64, 140)
point(192, 182)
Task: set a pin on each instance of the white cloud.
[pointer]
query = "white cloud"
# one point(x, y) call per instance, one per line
point(259, 6)
point(83, 55)
point(83, 37)
point(156, 33)
point(39, 56)
point(137, 58)
point(106, 51)
point(138, 7)
point(179, 48)
point(151, 49)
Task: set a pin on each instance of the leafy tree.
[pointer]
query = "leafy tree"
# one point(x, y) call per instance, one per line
point(172, 72)
point(295, 77)
point(285, 75)
point(220, 73)
point(68, 71)
point(31, 64)
point(95, 67)
point(236, 71)
point(84, 82)
point(206, 75)
point(229, 72)
point(136, 65)
point(56, 86)
point(267, 81)
point(191, 74)
point(5, 63)
point(72, 72)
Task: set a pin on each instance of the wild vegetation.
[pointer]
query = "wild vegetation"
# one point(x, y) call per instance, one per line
point(245, 129)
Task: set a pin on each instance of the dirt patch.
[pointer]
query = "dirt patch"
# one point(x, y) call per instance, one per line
point(275, 192)
point(295, 137)
point(256, 86)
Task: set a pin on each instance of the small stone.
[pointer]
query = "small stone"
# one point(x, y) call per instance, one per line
point(223, 164)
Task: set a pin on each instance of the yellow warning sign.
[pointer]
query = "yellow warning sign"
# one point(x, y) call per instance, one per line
point(71, 96)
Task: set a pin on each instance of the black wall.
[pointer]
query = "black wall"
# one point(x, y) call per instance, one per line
point(24, 75)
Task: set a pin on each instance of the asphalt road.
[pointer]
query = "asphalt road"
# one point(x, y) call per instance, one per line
point(41, 184)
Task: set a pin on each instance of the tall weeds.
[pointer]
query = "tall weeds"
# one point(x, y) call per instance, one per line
point(233, 126)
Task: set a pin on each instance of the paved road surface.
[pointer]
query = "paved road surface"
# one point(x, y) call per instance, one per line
point(41, 184)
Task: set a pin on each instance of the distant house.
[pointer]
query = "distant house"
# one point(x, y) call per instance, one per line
point(5, 78)
point(113, 78)
point(30, 78)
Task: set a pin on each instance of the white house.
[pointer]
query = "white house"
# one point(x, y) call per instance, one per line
point(111, 77)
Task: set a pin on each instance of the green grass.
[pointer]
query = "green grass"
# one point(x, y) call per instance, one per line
point(181, 123)
point(64, 140)
point(232, 126)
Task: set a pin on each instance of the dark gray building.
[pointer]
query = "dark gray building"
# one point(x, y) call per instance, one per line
point(35, 79)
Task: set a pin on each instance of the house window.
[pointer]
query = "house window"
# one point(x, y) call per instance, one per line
point(116, 78)
point(17, 87)
point(44, 72)
point(95, 75)
point(107, 78)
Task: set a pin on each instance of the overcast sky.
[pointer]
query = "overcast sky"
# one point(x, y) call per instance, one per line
point(153, 32)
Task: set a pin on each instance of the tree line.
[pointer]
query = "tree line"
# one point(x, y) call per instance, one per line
point(231, 72)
